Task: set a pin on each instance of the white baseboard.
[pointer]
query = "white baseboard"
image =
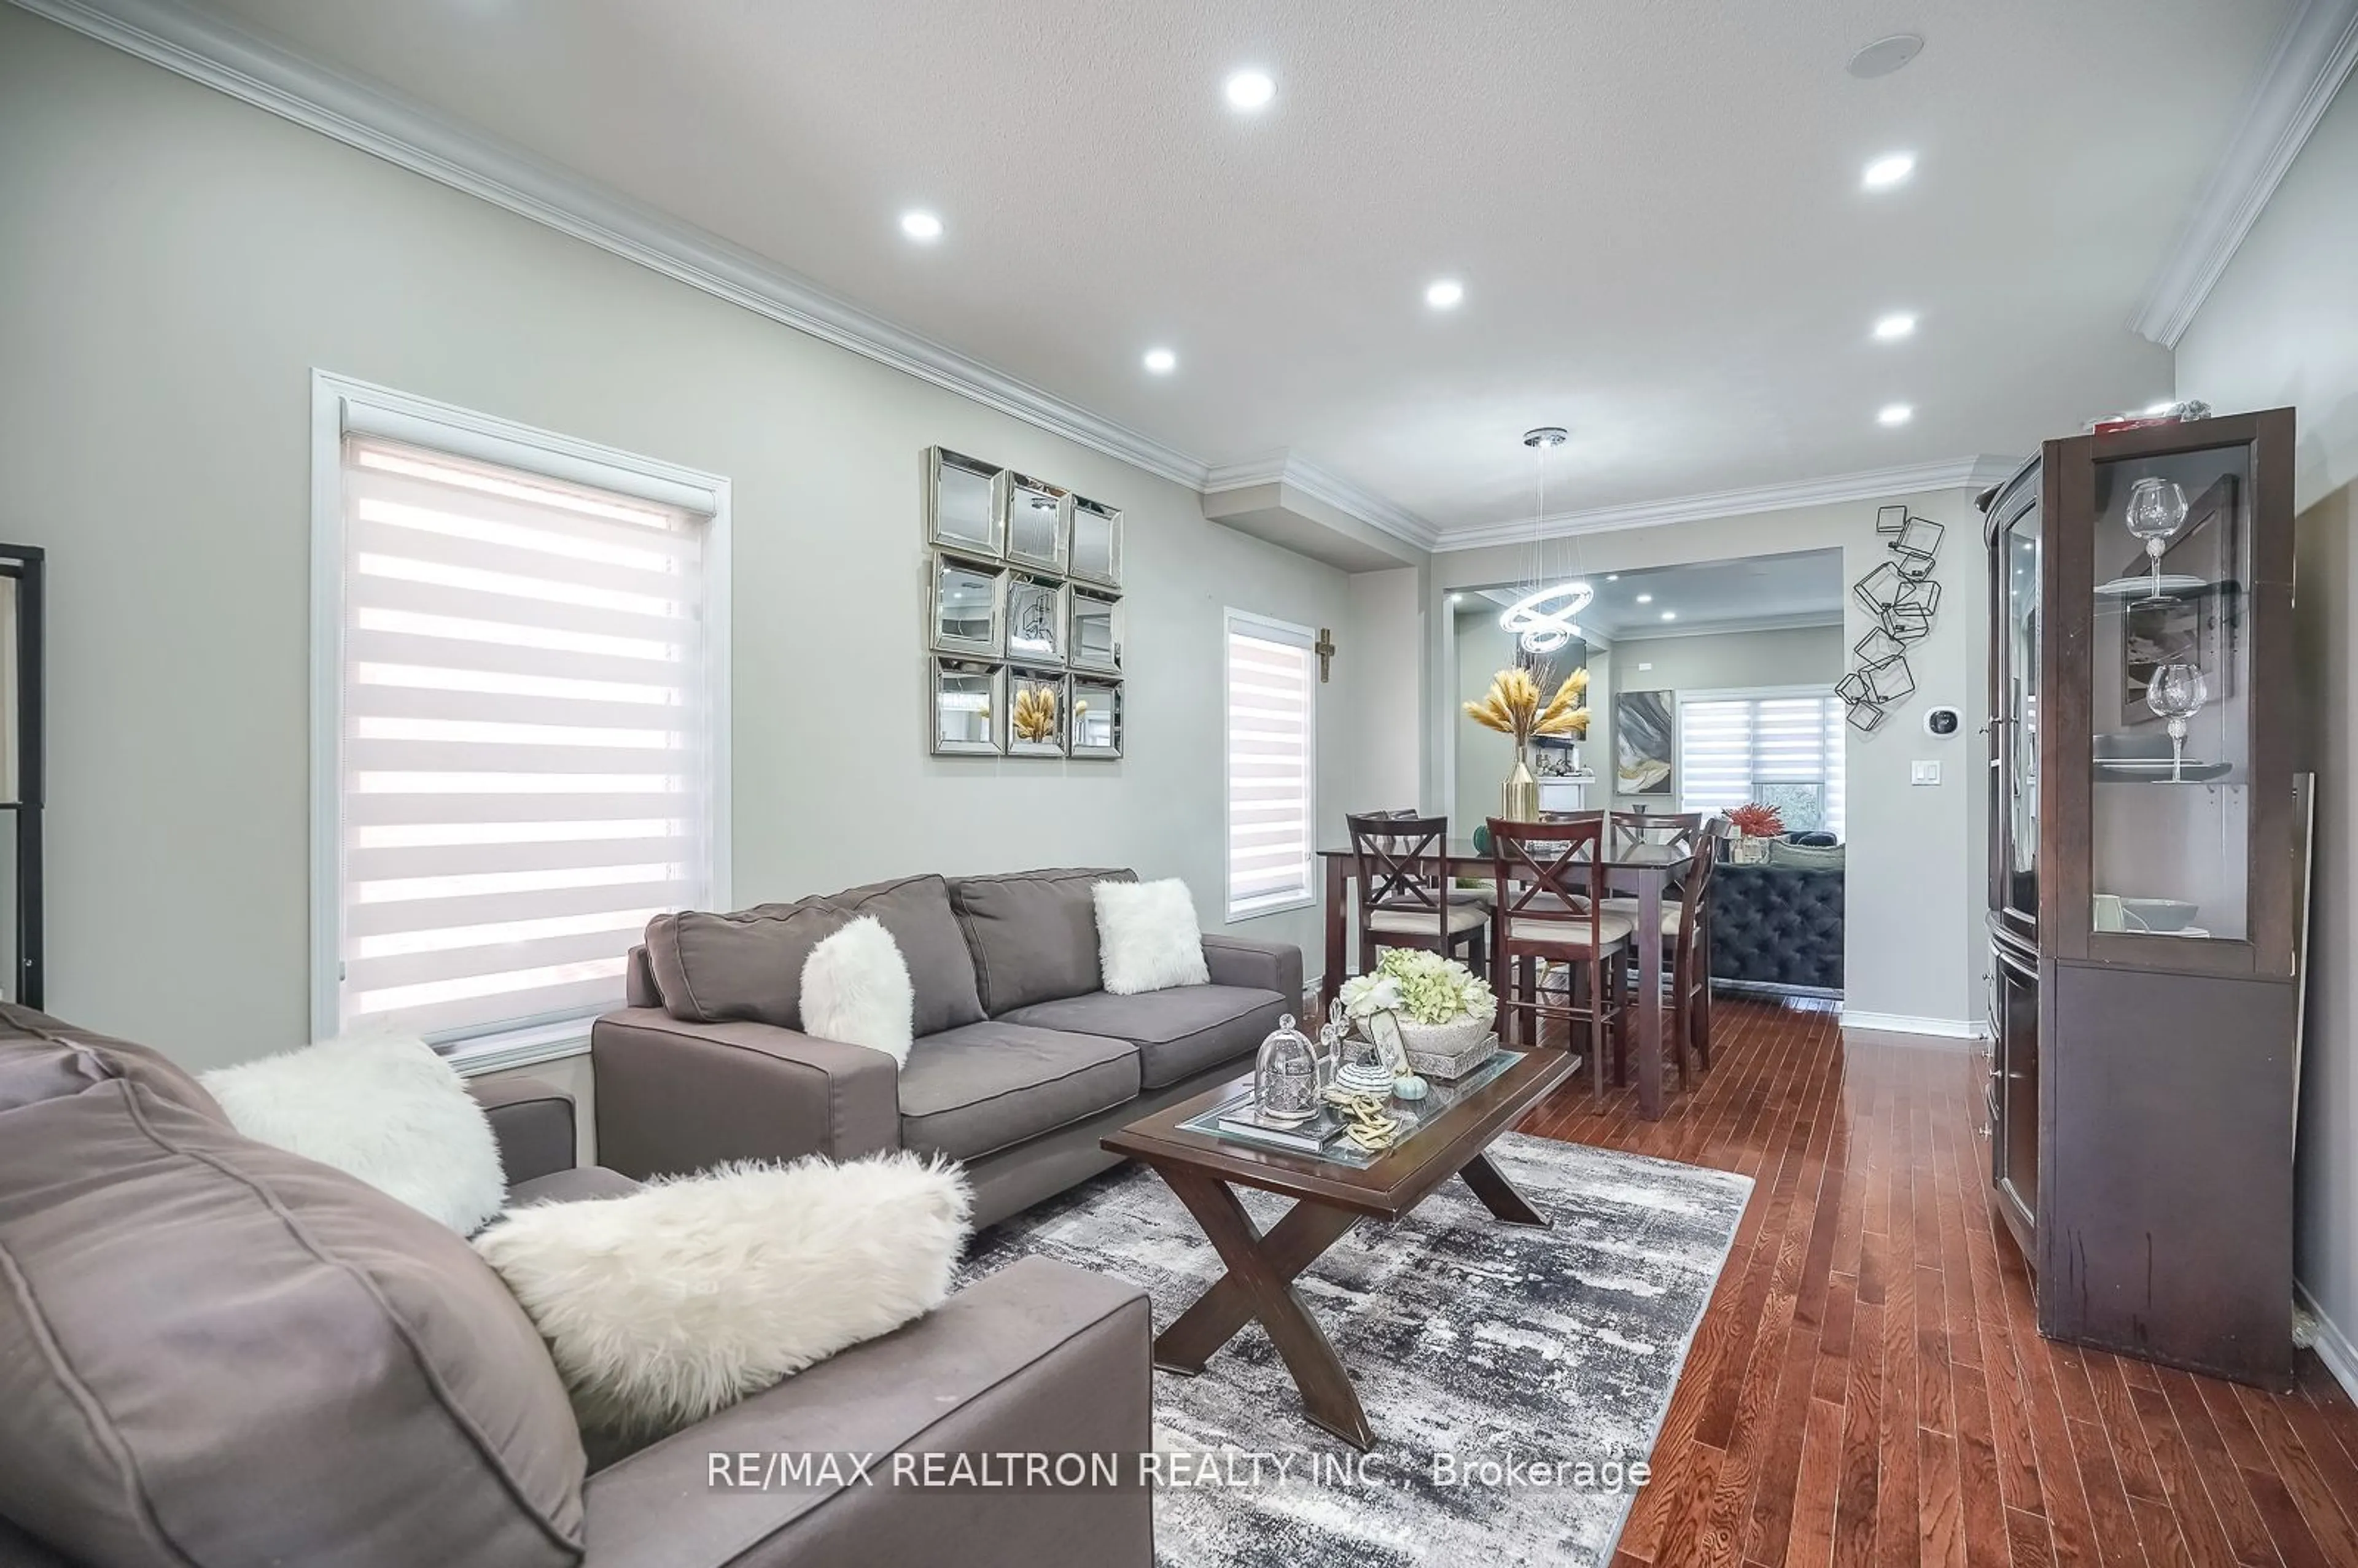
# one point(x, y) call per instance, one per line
point(1903, 1023)
point(2332, 1346)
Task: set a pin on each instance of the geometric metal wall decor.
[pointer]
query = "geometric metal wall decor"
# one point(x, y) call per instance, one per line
point(1901, 596)
point(1023, 588)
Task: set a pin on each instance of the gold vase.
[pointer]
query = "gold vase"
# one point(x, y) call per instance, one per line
point(1520, 797)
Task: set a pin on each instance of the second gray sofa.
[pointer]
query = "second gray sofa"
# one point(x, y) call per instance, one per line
point(1022, 1062)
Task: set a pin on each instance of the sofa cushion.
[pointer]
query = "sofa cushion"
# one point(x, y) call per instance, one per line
point(916, 911)
point(1033, 934)
point(742, 967)
point(47, 1058)
point(385, 1107)
point(1806, 857)
point(973, 1091)
point(667, 1304)
point(215, 1351)
point(1179, 1032)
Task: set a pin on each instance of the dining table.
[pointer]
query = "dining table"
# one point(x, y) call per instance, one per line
point(1636, 865)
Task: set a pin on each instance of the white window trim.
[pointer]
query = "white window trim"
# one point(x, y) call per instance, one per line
point(342, 406)
point(1276, 631)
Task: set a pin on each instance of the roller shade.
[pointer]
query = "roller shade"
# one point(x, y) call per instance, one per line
point(1271, 742)
point(1737, 747)
point(523, 766)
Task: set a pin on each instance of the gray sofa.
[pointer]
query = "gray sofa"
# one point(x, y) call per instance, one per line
point(1022, 1062)
point(212, 1351)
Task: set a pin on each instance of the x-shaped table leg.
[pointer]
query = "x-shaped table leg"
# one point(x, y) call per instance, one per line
point(1259, 1284)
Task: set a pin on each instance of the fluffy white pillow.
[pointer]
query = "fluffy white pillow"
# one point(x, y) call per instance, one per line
point(856, 989)
point(1147, 936)
point(675, 1301)
point(380, 1106)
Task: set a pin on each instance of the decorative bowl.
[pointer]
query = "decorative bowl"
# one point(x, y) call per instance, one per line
point(1448, 1050)
point(2159, 913)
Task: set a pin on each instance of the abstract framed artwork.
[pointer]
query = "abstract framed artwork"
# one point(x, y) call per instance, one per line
point(1643, 742)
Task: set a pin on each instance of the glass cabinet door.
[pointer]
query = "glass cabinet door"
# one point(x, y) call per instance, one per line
point(2171, 699)
point(2019, 565)
point(2021, 753)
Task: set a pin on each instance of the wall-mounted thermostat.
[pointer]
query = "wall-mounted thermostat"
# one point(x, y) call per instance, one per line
point(1943, 721)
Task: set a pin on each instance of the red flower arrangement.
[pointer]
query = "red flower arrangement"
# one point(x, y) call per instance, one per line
point(1755, 820)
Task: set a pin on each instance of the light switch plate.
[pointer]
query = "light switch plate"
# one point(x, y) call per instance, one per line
point(1923, 772)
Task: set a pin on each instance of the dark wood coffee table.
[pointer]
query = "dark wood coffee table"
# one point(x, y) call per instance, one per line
point(1329, 1198)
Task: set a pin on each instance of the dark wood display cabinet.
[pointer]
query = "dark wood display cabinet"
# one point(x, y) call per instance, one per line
point(2147, 849)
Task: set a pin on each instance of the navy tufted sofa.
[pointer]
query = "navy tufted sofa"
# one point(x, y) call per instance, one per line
point(1777, 926)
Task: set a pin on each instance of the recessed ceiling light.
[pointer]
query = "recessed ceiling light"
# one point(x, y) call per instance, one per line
point(1885, 56)
point(1446, 293)
point(1888, 170)
point(921, 225)
point(1898, 324)
point(1612, 577)
point(1895, 414)
point(1645, 598)
point(1250, 90)
point(1457, 599)
point(1162, 362)
point(1670, 615)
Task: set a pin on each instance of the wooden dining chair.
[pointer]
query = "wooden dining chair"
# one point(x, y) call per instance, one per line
point(1551, 909)
point(1686, 940)
point(1676, 828)
point(1407, 892)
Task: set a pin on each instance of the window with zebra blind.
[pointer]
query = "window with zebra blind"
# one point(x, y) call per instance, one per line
point(1782, 747)
point(524, 677)
point(1272, 752)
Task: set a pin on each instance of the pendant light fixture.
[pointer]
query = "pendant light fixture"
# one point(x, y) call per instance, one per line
point(1540, 619)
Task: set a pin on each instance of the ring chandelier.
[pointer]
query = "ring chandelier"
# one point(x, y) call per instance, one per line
point(1541, 621)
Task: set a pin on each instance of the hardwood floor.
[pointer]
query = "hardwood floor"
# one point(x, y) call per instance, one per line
point(1869, 1386)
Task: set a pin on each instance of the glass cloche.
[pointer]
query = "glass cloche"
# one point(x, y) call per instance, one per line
point(1285, 1076)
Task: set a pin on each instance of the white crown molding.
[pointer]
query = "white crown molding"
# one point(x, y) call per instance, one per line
point(1325, 486)
point(1795, 621)
point(220, 55)
point(1873, 484)
point(2313, 55)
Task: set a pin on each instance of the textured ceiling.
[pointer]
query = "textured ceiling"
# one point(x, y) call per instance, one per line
point(1654, 206)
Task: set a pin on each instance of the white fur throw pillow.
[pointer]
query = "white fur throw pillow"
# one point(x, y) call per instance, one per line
point(380, 1106)
point(856, 989)
point(1147, 936)
point(675, 1301)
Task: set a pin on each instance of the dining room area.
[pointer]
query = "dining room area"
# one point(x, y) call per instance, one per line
point(1639, 812)
point(1549, 912)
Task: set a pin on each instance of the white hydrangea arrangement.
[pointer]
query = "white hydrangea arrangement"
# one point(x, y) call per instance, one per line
point(1428, 987)
point(1364, 996)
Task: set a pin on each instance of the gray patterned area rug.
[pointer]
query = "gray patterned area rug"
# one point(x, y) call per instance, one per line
point(1513, 1375)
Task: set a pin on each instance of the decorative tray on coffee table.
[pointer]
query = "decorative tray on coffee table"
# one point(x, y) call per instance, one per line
point(1321, 1137)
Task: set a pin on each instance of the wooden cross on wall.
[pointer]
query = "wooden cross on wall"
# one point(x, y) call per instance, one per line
point(1325, 649)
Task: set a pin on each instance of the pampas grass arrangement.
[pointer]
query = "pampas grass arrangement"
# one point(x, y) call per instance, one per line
point(1035, 714)
point(1513, 706)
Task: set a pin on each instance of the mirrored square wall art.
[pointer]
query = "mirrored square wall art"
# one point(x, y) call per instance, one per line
point(1023, 614)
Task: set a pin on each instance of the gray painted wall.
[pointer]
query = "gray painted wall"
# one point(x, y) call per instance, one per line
point(2281, 326)
point(1382, 653)
point(176, 265)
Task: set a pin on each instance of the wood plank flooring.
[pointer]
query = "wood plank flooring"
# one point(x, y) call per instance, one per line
point(1869, 1387)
